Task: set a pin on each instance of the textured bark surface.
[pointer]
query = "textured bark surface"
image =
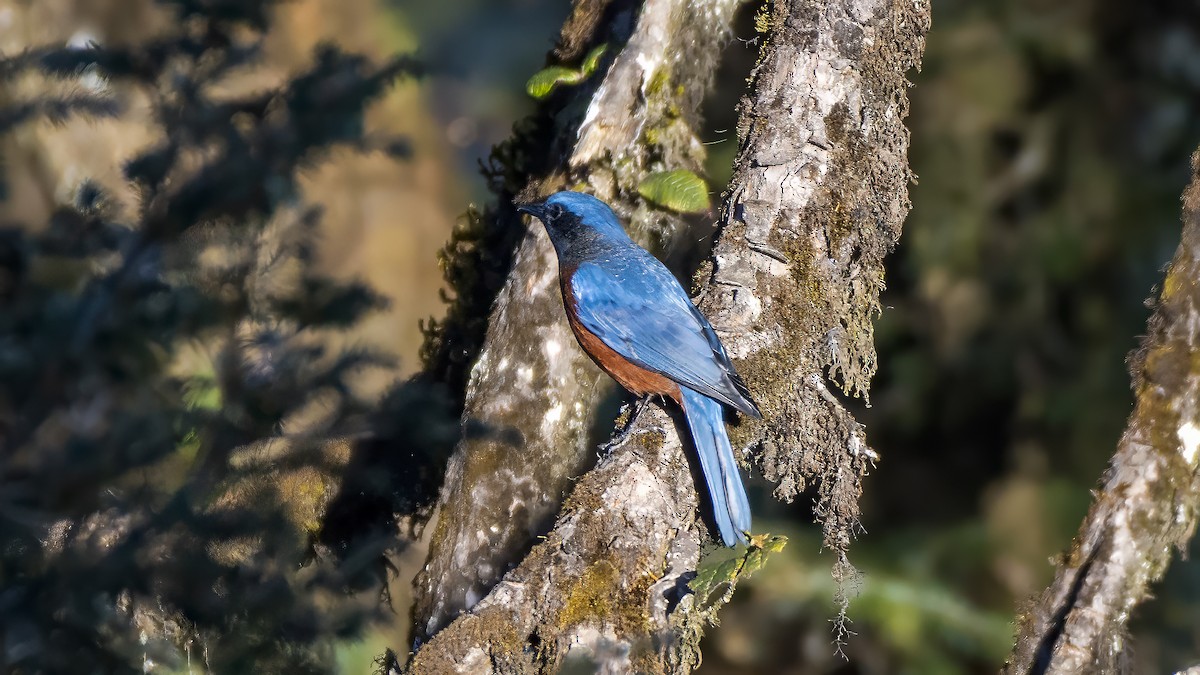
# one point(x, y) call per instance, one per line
point(1147, 505)
point(818, 197)
point(602, 590)
point(531, 385)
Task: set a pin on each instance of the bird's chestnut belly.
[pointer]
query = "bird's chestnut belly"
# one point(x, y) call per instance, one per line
point(636, 379)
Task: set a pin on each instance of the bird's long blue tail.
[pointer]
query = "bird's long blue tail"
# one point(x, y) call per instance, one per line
point(731, 509)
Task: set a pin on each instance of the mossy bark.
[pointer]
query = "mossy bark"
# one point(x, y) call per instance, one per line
point(601, 588)
point(1149, 497)
point(818, 197)
point(531, 387)
point(817, 201)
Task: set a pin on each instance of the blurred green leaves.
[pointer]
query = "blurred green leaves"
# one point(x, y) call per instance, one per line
point(176, 396)
point(907, 612)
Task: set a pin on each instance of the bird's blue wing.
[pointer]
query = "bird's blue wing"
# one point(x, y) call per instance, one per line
point(637, 308)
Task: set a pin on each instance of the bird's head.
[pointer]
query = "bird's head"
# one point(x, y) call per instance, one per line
point(568, 215)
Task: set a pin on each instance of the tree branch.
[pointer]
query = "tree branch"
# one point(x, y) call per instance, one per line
point(818, 197)
point(1149, 498)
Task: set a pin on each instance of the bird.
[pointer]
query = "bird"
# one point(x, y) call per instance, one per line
point(631, 316)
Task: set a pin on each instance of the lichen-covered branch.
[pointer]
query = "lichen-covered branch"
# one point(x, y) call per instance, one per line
point(819, 194)
point(602, 588)
point(818, 197)
point(531, 387)
point(1147, 505)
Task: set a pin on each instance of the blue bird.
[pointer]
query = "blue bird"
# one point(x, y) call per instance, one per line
point(637, 323)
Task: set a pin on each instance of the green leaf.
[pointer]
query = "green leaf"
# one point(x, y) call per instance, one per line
point(545, 81)
point(711, 575)
point(761, 548)
point(592, 60)
point(679, 190)
point(720, 570)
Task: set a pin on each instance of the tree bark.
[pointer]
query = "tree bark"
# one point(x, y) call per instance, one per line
point(1148, 501)
point(818, 197)
point(531, 387)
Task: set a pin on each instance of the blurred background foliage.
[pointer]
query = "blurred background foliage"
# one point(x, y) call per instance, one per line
point(1051, 142)
point(188, 350)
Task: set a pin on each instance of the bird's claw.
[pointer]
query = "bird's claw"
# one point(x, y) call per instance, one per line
point(638, 407)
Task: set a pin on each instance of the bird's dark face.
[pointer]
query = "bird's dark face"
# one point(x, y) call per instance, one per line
point(558, 219)
point(574, 217)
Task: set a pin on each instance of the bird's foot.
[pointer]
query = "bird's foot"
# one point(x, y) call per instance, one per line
point(635, 409)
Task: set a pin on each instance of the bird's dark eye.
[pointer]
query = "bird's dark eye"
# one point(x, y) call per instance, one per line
point(554, 210)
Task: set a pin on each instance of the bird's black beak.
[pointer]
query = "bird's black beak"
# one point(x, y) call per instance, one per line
point(535, 209)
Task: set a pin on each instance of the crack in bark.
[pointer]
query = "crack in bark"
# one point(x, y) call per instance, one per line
point(1059, 624)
